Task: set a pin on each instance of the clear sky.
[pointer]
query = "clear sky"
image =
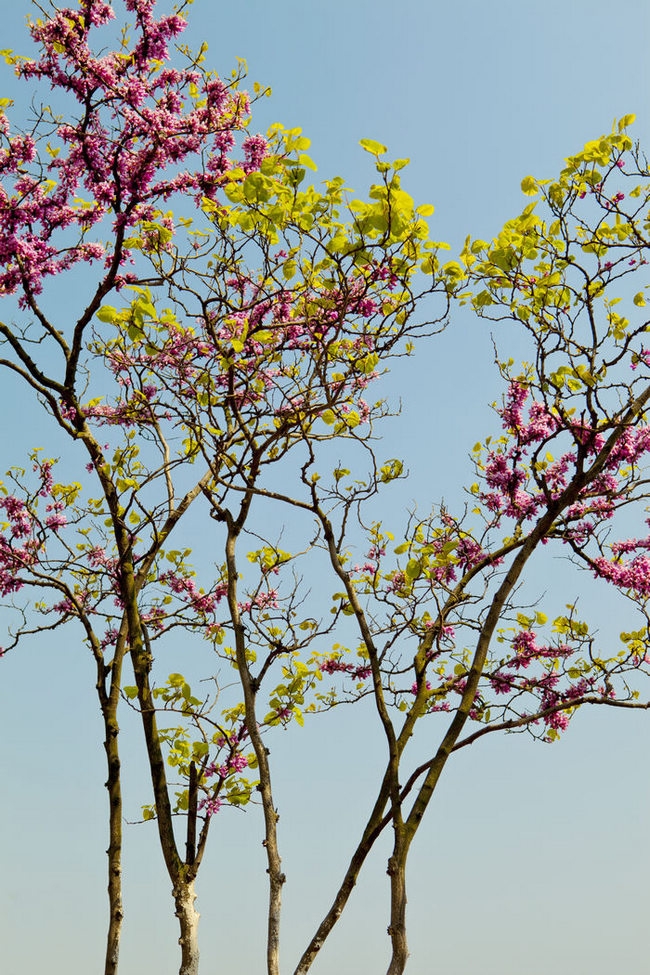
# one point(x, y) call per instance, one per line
point(532, 858)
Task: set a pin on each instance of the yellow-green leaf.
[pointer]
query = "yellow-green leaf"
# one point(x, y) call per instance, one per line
point(107, 313)
point(529, 186)
point(375, 148)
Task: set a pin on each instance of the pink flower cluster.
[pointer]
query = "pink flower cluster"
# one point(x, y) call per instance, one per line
point(67, 607)
point(509, 479)
point(503, 470)
point(22, 541)
point(235, 763)
point(261, 600)
point(16, 554)
point(184, 586)
point(633, 574)
point(507, 679)
point(138, 121)
point(56, 519)
point(210, 805)
point(335, 665)
point(527, 650)
point(541, 424)
point(469, 553)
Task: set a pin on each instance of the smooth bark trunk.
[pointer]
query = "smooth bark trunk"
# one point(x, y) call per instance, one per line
point(274, 869)
point(397, 929)
point(249, 687)
point(108, 702)
point(188, 919)
point(114, 852)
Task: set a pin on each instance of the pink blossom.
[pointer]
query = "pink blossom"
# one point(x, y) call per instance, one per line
point(396, 582)
point(210, 805)
point(336, 665)
point(56, 520)
point(136, 127)
point(633, 574)
point(255, 149)
point(558, 720)
point(501, 683)
point(265, 599)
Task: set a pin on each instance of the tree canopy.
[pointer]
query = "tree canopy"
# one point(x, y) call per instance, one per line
point(231, 357)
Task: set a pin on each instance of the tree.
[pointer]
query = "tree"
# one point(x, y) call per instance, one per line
point(284, 305)
point(271, 361)
point(133, 123)
point(312, 351)
point(441, 632)
point(446, 616)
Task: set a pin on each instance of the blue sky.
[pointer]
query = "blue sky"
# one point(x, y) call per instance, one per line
point(531, 858)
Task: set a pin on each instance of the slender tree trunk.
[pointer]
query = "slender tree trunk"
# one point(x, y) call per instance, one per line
point(108, 701)
point(188, 919)
point(115, 846)
point(274, 869)
point(397, 929)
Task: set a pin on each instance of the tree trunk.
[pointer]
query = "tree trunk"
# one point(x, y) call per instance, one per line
point(397, 929)
point(188, 919)
point(114, 851)
point(108, 703)
point(274, 870)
